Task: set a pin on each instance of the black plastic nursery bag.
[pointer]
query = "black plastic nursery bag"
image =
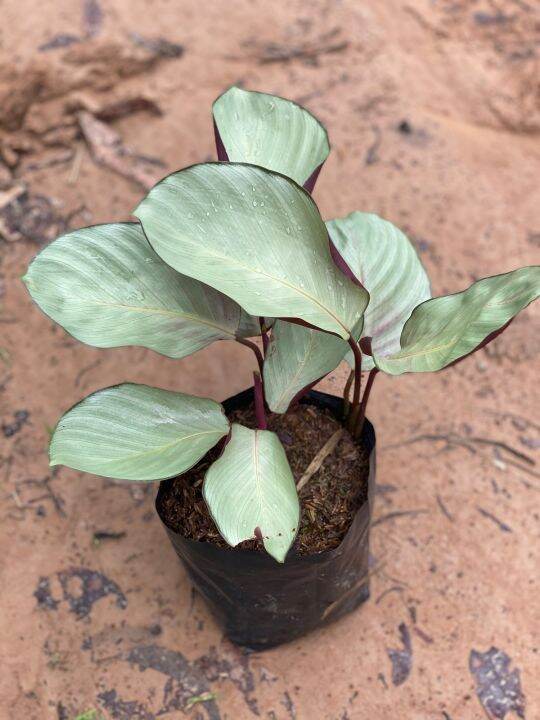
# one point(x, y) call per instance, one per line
point(261, 603)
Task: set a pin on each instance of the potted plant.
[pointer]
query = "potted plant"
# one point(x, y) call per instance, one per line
point(266, 498)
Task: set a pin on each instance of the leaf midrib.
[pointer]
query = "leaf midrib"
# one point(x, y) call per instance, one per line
point(161, 448)
point(256, 470)
point(307, 295)
point(163, 311)
point(258, 485)
point(283, 282)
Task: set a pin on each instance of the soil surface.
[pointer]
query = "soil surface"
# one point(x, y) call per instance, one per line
point(328, 500)
point(433, 112)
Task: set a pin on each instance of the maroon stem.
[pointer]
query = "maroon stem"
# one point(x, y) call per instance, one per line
point(346, 394)
point(355, 406)
point(259, 401)
point(256, 350)
point(264, 335)
point(357, 372)
point(363, 404)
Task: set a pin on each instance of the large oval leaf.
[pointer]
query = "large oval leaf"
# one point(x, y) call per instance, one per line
point(136, 432)
point(107, 287)
point(250, 489)
point(270, 131)
point(386, 263)
point(445, 329)
point(297, 357)
point(255, 236)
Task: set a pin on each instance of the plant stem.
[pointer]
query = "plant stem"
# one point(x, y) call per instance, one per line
point(363, 405)
point(259, 402)
point(256, 350)
point(258, 383)
point(346, 393)
point(355, 407)
point(264, 335)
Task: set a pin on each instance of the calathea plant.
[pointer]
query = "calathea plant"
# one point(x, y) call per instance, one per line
point(233, 250)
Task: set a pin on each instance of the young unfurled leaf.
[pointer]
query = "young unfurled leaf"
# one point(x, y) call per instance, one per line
point(272, 132)
point(107, 287)
point(445, 329)
point(255, 236)
point(251, 488)
point(136, 432)
point(386, 263)
point(297, 357)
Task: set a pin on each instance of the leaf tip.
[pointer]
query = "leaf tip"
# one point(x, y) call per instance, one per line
point(136, 210)
point(278, 555)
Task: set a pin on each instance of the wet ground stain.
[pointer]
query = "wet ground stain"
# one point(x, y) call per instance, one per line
point(81, 588)
point(498, 688)
point(184, 681)
point(401, 659)
point(123, 709)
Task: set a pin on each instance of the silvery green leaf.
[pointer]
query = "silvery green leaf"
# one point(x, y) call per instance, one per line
point(255, 236)
point(297, 357)
point(272, 132)
point(251, 488)
point(136, 432)
point(387, 265)
point(445, 329)
point(107, 287)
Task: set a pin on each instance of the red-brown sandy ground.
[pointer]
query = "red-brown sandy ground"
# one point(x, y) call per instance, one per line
point(433, 109)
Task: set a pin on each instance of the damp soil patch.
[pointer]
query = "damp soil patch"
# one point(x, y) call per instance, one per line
point(328, 501)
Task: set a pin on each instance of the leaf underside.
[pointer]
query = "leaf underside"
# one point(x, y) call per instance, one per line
point(272, 132)
point(108, 288)
point(443, 330)
point(136, 432)
point(255, 236)
point(251, 487)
